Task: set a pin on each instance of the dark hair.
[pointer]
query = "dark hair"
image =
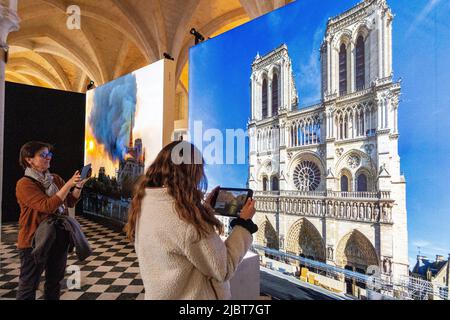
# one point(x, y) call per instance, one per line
point(30, 149)
point(185, 182)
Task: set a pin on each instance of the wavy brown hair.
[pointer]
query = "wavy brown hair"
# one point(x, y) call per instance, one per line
point(179, 168)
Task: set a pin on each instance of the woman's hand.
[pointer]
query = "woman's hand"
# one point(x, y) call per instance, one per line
point(211, 195)
point(65, 190)
point(75, 180)
point(81, 184)
point(248, 211)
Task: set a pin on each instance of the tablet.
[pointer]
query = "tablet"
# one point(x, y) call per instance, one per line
point(86, 172)
point(229, 201)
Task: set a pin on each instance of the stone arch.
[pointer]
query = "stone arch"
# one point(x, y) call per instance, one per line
point(106, 18)
point(274, 89)
point(266, 169)
point(361, 30)
point(274, 69)
point(59, 46)
point(304, 239)
point(355, 250)
point(275, 183)
point(369, 176)
point(365, 162)
point(343, 37)
point(265, 95)
point(346, 173)
point(267, 236)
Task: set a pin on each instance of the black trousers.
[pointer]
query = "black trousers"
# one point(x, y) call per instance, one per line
point(55, 269)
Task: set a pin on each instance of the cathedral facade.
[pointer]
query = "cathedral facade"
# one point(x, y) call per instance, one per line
point(327, 177)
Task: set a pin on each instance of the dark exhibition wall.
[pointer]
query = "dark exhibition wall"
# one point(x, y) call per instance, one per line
point(34, 113)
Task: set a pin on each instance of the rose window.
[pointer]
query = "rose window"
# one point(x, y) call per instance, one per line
point(307, 176)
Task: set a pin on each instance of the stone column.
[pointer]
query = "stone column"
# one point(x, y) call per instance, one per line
point(269, 94)
point(351, 68)
point(380, 46)
point(252, 86)
point(282, 83)
point(328, 67)
point(9, 22)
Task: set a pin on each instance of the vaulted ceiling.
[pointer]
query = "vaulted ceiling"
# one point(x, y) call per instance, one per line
point(116, 37)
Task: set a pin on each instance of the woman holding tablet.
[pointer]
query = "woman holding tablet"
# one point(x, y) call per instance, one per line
point(176, 233)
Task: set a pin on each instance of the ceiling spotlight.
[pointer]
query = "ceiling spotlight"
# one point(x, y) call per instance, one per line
point(91, 85)
point(168, 56)
point(198, 37)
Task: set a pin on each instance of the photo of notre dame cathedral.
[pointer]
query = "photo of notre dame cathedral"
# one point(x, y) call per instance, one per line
point(327, 177)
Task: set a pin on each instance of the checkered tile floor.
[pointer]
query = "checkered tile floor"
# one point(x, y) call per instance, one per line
point(111, 273)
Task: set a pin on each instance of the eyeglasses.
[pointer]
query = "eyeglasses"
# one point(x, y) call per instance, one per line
point(45, 155)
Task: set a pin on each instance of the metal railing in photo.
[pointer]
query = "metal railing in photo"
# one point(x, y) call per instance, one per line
point(405, 287)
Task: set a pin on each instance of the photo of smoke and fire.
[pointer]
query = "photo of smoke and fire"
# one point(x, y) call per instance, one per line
point(124, 121)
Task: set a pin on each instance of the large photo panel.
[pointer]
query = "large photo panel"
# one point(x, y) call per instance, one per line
point(338, 98)
point(128, 121)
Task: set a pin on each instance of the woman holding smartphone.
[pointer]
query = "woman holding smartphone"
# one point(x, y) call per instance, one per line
point(41, 194)
point(176, 233)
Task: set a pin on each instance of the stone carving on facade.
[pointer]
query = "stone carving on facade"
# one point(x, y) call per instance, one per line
point(281, 242)
point(354, 161)
point(386, 214)
point(339, 151)
point(330, 253)
point(376, 214)
point(369, 148)
point(387, 265)
point(321, 151)
point(369, 211)
point(383, 170)
point(330, 173)
point(361, 212)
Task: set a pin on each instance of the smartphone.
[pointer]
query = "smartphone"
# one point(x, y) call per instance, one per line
point(229, 201)
point(86, 172)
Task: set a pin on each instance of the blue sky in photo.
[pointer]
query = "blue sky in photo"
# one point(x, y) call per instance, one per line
point(219, 95)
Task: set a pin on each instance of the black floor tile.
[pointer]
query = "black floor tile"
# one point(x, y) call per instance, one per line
point(118, 269)
point(10, 295)
point(129, 259)
point(9, 286)
point(7, 278)
point(115, 289)
point(105, 281)
point(96, 274)
point(89, 296)
point(137, 282)
point(128, 296)
point(88, 268)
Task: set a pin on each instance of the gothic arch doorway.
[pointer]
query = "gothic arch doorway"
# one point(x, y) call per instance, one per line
point(305, 240)
point(267, 236)
point(355, 253)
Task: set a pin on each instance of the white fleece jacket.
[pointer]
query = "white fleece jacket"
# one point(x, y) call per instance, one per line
point(174, 265)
